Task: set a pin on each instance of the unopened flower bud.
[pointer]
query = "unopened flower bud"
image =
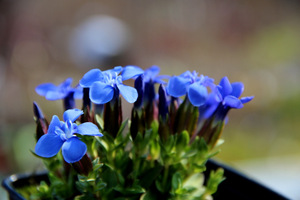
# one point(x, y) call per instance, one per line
point(42, 123)
point(83, 166)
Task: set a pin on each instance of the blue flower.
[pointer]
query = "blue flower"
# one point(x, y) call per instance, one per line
point(149, 75)
point(214, 112)
point(61, 135)
point(52, 92)
point(223, 98)
point(230, 93)
point(104, 86)
point(191, 84)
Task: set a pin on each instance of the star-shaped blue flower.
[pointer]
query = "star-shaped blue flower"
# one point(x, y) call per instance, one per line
point(53, 92)
point(149, 75)
point(191, 84)
point(223, 98)
point(61, 135)
point(230, 93)
point(105, 85)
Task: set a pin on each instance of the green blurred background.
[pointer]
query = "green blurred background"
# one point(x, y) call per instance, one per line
point(256, 42)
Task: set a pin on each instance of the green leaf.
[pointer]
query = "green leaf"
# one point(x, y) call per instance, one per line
point(99, 121)
point(176, 181)
point(130, 190)
point(194, 181)
point(100, 186)
point(149, 195)
point(155, 150)
point(215, 178)
point(202, 146)
point(159, 186)
point(169, 144)
point(182, 141)
point(121, 129)
point(155, 126)
point(150, 175)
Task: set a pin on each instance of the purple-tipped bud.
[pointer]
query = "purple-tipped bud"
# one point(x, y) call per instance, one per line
point(37, 111)
point(86, 99)
point(69, 101)
point(137, 122)
point(149, 94)
point(113, 115)
point(174, 104)
point(42, 123)
point(84, 166)
point(163, 104)
point(139, 86)
point(149, 103)
point(86, 107)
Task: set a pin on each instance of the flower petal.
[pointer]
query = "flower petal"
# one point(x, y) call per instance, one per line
point(55, 122)
point(101, 93)
point(42, 89)
point(246, 99)
point(129, 93)
point(78, 92)
point(131, 71)
point(177, 86)
point(226, 87)
point(209, 110)
point(187, 74)
point(114, 72)
point(90, 77)
point(158, 79)
point(197, 94)
point(55, 95)
point(88, 128)
point(151, 73)
point(237, 89)
point(73, 150)
point(48, 145)
point(67, 83)
point(232, 102)
point(154, 70)
point(72, 114)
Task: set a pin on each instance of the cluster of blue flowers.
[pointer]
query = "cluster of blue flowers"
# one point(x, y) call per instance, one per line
point(211, 102)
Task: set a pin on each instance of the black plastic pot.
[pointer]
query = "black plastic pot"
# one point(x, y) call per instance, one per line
point(13, 182)
point(235, 186)
point(238, 186)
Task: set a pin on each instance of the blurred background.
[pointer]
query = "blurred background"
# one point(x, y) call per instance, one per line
point(256, 42)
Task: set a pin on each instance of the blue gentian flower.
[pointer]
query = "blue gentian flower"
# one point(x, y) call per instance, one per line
point(214, 112)
point(145, 81)
point(191, 84)
point(211, 104)
point(151, 74)
point(226, 97)
point(230, 93)
point(151, 77)
point(62, 135)
point(52, 92)
point(104, 86)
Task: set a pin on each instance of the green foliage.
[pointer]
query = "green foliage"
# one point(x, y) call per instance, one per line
point(144, 168)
